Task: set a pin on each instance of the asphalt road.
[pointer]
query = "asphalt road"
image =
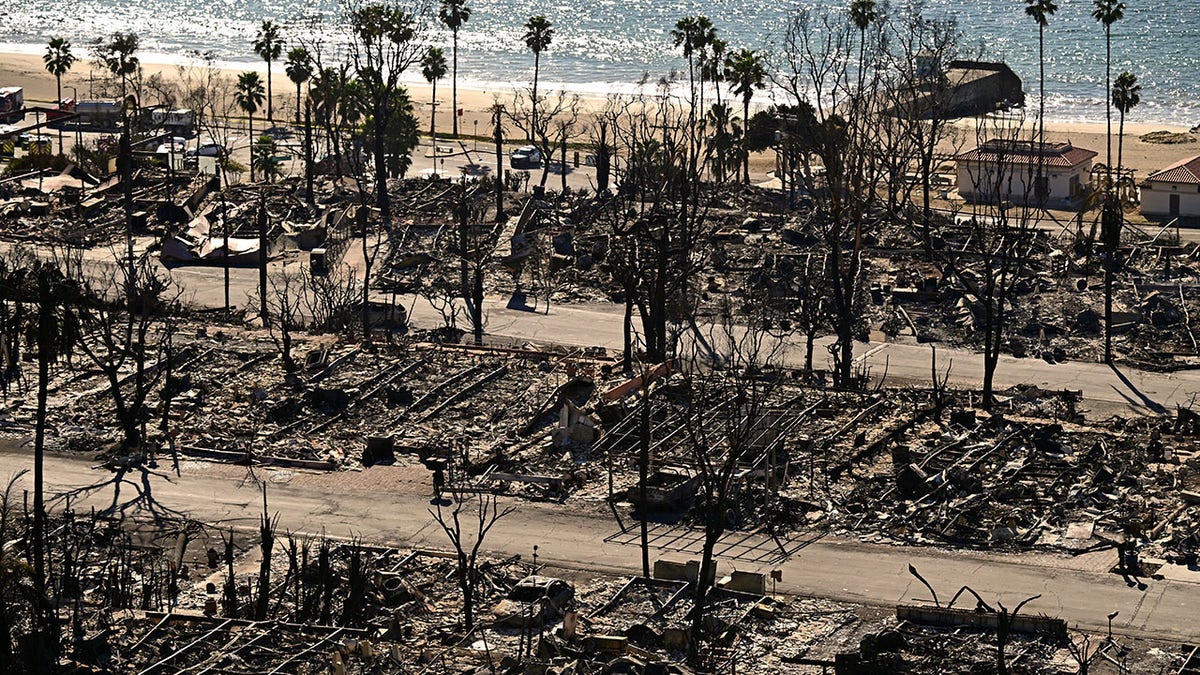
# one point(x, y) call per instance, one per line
point(1107, 390)
point(388, 505)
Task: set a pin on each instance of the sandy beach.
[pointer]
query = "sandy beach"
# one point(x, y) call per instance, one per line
point(26, 70)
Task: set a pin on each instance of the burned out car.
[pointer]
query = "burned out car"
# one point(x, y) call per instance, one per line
point(534, 601)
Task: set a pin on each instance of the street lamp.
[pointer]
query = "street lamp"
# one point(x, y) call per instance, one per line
point(476, 121)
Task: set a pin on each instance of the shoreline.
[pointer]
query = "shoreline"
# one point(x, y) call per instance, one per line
point(27, 70)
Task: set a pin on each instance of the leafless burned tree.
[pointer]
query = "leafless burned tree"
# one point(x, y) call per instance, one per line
point(466, 520)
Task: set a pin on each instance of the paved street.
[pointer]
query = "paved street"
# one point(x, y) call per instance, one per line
point(1106, 390)
point(388, 505)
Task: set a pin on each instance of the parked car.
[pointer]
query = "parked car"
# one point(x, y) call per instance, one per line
point(278, 133)
point(534, 601)
point(179, 143)
point(209, 149)
point(526, 157)
point(350, 164)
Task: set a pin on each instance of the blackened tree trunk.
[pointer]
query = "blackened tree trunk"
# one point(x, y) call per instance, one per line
point(262, 263)
point(125, 165)
point(714, 528)
point(464, 269)
point(644, 472)
point(266, 544)
point(382, 199)
point(45, 343)
point(308, 153)
point(477, 305)
point(363, 220)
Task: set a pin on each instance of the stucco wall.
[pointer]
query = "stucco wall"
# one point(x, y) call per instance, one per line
point(1018, 182)
point(1156, 199)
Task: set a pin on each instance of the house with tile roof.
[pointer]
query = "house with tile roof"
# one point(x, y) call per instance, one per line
point(1173, 191)
point(1008, 170)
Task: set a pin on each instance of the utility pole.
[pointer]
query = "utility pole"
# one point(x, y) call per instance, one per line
point(499, 136)
point(225, 258)
point(262, 257)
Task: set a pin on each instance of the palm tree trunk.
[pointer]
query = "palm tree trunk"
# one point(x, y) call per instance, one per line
point(58, 101)
point(537, 59)
point(1108, 286)
point(44, 340)
point(1038, 191)
point(862, 55)
point(1114, 248)
point(297, 103)
point(1120, 145)
point(454, 83)
point(692, 83)
point(745, 134)
point(250, 133)
point(270, 106)
point(433, 121)
point(1108, 100)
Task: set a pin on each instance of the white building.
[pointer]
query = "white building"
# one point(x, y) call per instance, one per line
point(1008, 170)
point(1173, 191)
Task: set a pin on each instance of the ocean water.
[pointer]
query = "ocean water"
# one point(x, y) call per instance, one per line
point(606, 45)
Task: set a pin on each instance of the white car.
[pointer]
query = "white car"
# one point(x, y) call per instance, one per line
point(209, 149)
point(526, 157)
point(176, 144)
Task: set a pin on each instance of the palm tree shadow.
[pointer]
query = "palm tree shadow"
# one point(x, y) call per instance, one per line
point(1146, 401)
point(141, 503)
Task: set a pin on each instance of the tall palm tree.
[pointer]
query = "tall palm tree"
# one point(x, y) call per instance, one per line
point(1126, 95)
point(453, 14)
point(684, 35)
point(538, 34)
point(714, 71)
point(1041, 11)
point(249, 97)
point(698, 38)
point(433, 68)
point(58, 59)
point(51, 333)
point(268, 44)
point(708, 43)
point(119, 56)
point(862, 14)
point(745, 69)
point(1108, 12)
point(299, 70)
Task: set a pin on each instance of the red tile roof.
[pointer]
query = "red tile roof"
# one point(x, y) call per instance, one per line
point(1183, 171)
point(1027, 152)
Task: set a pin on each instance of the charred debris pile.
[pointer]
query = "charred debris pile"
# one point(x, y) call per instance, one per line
point(181, 597)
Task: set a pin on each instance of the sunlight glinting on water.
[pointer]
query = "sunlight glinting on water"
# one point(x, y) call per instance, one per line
point(616, 41)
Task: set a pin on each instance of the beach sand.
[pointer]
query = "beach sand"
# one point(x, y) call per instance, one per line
point(26, 70)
